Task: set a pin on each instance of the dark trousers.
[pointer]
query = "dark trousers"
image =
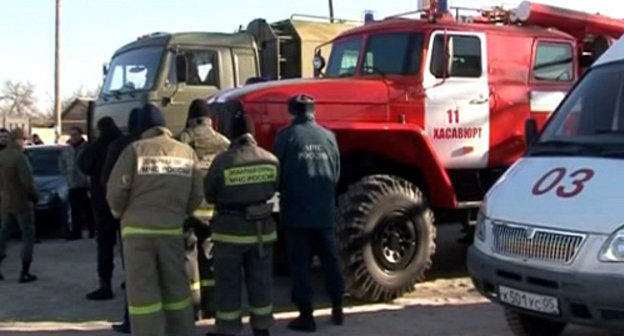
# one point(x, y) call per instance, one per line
point(25, 223)
point(237, 265)
point(300, 243)
point(107, 231)
point(81, 211)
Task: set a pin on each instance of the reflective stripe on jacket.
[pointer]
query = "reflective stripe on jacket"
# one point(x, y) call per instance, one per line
point(243, 175)
point(155, 182)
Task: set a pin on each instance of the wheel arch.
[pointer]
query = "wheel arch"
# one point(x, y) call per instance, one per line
point(395, 149)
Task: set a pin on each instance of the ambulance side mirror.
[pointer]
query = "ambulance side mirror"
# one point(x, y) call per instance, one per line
point(530, 131)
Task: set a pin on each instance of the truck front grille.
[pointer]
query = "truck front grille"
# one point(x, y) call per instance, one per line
point(535, 243)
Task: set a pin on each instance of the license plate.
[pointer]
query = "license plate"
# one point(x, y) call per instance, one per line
point(535, 302)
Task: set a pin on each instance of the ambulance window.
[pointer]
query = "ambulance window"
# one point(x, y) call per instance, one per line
point(393, 53)
point(344, 58)
point(463, 54)
point(595, 107)
point(553, 62)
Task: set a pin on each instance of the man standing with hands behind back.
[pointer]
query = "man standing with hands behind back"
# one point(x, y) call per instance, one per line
point(310, 166)
point(18, 198)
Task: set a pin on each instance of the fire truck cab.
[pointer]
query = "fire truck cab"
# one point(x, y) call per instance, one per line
point(428, 114)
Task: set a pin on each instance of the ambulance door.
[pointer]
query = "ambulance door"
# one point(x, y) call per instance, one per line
point(457, 105)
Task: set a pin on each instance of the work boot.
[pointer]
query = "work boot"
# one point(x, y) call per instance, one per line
point(261, 332)
point(337, 313)
point(305, 322)
point(123, 328)
point(337, 316)
point(103, 293)
point(25, 276)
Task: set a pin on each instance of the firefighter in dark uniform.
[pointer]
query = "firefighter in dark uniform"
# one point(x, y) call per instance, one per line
point(240, 183)
point(310, 165)
point(207, 143)
point(154, 186)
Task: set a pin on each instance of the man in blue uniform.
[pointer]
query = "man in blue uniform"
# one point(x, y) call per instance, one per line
point(310, 166)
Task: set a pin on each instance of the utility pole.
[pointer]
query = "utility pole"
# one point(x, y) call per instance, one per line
point(57, 71)
point(331, 11)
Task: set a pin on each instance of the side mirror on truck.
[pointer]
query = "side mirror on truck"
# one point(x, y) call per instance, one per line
point(319, 63)
point(105, 68)
point(180, 61)
point(530, 131)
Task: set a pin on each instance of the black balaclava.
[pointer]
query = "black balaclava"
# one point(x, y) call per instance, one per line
point(150, 117)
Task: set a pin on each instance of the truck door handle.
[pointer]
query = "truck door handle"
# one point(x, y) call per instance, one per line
point(480, 100)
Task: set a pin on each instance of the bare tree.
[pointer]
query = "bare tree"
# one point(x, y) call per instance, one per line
point(18, 100)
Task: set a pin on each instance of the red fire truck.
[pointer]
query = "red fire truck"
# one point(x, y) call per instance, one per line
point(428, 113)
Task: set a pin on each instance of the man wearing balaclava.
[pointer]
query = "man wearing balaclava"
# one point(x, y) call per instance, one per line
point(91, 163)
point(112, 154)
point(207, 143)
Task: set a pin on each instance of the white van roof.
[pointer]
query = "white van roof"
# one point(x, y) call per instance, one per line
point(613, 54)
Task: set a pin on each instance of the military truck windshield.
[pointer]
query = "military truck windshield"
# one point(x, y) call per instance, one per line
point(134, 70)
point(593, 113)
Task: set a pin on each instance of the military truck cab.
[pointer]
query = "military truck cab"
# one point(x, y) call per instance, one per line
point(428, 114)
point(170, 70)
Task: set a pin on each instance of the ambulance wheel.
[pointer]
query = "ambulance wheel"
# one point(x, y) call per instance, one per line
point(387, 237)
point(527, 325)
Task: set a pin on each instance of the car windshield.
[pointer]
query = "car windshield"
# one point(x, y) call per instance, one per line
point(134, 70)
point(591, 119)
point(397, 53)
point(44, 162)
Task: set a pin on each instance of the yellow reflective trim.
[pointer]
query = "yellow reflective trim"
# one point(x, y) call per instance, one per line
point(229, 316)
point(203, 213)
point(233, 239)
point(208, 283)
point(250, 175)
point(178, 305)
point(145, 310)
point(195, 286)
point(135, 230)
point(266, 310)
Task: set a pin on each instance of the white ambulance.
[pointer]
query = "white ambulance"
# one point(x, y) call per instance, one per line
point(549, 242)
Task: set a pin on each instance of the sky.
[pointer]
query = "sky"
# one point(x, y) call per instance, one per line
point(91, 30)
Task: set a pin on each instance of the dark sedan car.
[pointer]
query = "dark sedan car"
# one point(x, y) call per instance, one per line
point(52, 209)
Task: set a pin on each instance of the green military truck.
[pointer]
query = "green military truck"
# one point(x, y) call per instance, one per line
point(170, 70)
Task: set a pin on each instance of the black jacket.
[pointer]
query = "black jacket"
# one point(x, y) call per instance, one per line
point(310, 168)
point(91, 162)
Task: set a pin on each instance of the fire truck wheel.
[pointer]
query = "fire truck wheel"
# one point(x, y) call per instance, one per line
point(527, 325)
point(387, 237)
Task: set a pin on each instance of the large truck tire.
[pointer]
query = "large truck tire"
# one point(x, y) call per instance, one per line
point(386, 237)
point(527, 325)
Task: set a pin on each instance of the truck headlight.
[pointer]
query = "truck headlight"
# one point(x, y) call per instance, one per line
point(613, 250)
point(481, 229)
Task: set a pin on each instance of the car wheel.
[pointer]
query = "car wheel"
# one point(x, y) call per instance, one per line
point(526, 325)
point(387, 237)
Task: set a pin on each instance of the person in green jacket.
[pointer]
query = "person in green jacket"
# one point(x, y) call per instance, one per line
point(154, 186)
point(19, 196)
point(207, 144)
